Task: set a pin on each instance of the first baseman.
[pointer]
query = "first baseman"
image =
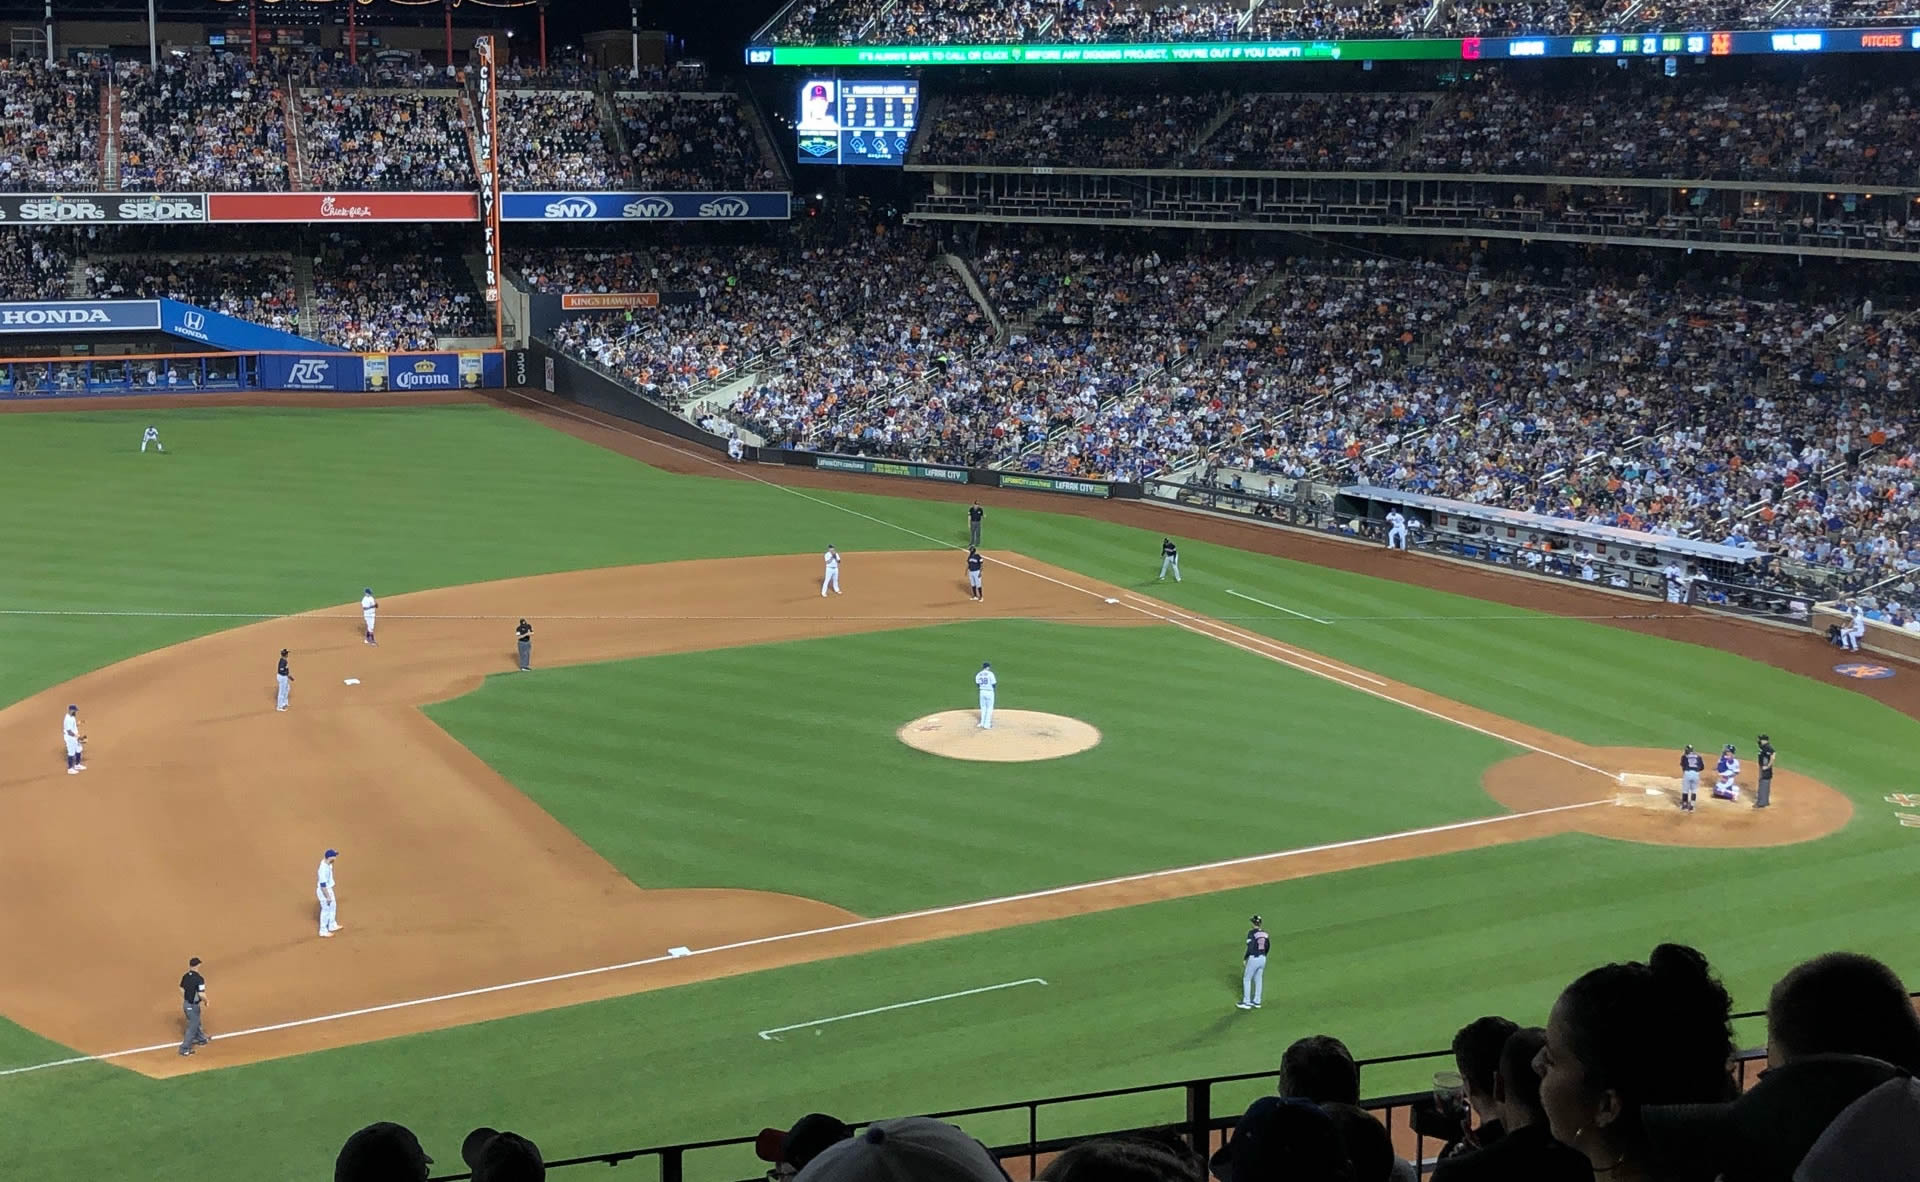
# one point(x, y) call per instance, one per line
point(832, 577)
point(1169, 559)
point(1253, 978)
point(974, 564)
point(70, 732)
point(323, 890)
point(151, 435)
point(986, 681)
point(284, 678)
point(368, 604)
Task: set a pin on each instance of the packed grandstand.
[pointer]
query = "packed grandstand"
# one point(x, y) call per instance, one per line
point(1754, 395)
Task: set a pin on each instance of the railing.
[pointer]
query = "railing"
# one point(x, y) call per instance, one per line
point(1199, 1120)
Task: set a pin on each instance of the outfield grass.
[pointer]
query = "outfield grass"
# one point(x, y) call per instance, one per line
point(279, 511)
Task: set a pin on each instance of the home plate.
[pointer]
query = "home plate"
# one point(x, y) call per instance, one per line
point(353, 681)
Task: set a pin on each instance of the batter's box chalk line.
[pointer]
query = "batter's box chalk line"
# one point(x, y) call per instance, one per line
point(774, 1034)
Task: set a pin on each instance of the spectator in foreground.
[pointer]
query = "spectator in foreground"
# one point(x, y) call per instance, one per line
point(1127, 1159)
point(1320, 1068)
point(1476, 1053)
point(1283, 1140)
point(1369, 1147)
point(1838, 1028)
point(789, 1152)
point(494, 1156)
point(913, 1147)
point(382, 1152)
point(1525, 1151)
point(1625, 1036)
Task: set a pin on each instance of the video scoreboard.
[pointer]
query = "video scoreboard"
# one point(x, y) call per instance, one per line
point(852, 121)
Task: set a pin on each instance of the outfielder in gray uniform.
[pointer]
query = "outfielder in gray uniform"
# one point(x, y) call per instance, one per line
point(1253, 978)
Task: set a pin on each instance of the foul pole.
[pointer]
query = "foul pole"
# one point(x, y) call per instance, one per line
point(487, 112)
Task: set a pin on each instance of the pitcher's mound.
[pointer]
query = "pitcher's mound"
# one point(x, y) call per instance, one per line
point(1018, 736)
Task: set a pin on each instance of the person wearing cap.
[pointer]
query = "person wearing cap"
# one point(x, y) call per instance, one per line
point(368, 605)
point(1763, 795)
point(911, 1149)
point(494, 1156)
point(986, 681)
point(974, 514)
point(382, 1152)
point(1281, 1140)
point(284, 678)
point(193, 995)
point(789, 1152)
point(523, 640)
point(1253, 974)
point(1727, 769)
point(70, 732)
point(1692, 763)
point(323, 890)
point(831, 579)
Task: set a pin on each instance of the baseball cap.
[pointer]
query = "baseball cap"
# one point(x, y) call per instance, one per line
point(1282, 1138)
point(494, 1156)
point(910, 1149)
point(382, 1151)
point(1762, 1136)
point(333, 853)
point(193, 962)
point(806, 1140)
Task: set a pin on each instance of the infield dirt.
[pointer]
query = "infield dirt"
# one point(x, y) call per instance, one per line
point(197, 829)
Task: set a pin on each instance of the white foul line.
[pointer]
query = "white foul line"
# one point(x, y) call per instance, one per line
point(899, 1005)
point(832, 929)
point(1278, 608)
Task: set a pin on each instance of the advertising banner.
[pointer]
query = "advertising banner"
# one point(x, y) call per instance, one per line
point(226, 332)
point(62, 316)
point(327, 371)
point(645, 207)
point(343, 207)
point(375, 368)
point(102, 209)
point(472, 367)
point(486, 105)
point(1084, 488)
point(421, 371)
point(891, 468)
point(599, 300)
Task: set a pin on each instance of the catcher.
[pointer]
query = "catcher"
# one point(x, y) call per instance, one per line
point(70, 731)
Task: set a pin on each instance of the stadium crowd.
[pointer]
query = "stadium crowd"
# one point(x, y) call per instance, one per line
point(681, 142)
point(201, 123)
point(49, 127)
point(385, 139)
point(256, 287)
point(378, 292)
point(1631, 124)
point(1634, 1077)
point(551, 139)
point(35, 266)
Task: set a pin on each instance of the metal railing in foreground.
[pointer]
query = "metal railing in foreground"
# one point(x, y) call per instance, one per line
point(1202, 1111)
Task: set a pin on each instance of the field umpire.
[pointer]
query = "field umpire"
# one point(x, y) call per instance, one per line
point(1764, 796)
point(523, 640)
point(974, 514)
point(193, 995)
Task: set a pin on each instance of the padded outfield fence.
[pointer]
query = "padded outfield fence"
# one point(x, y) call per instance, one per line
point(1202, 1111)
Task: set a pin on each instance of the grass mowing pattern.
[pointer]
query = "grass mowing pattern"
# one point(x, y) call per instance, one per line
point(681, 770)
point(285, 510)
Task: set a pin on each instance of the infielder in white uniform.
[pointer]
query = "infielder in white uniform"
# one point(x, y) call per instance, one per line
point(151, 435)
point(1396, 530)
point(367, 606)
point(323, 891)
point(832, 577)
point(70, 731)
point(986, 681)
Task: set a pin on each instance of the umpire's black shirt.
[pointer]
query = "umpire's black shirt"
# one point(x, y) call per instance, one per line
point(523, 631)
point(975, 513)
point(191, 985)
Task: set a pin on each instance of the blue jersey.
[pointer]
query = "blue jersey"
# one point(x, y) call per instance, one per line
point(1258, 942)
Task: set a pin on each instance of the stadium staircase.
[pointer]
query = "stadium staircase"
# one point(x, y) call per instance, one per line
point(613, 136)
point(110, 137)
point(77, 279)
point(753, 112)
point(303, 289)
point(979, 295)
point(296, 153)
point(1219, 119)
point(1443, 107)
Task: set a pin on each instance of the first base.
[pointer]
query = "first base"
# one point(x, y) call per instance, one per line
point(1113, 601)
point(353, 681)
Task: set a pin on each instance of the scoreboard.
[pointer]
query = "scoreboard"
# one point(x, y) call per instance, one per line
point(848, 121)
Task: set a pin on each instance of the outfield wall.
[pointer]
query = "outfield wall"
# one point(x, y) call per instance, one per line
point(145, 374)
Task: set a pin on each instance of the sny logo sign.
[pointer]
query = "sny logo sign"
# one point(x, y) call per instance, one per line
point(573, 207)
point(725, 207)
point(648, 207)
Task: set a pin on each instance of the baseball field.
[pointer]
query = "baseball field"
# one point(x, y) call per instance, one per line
point(730, 852)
